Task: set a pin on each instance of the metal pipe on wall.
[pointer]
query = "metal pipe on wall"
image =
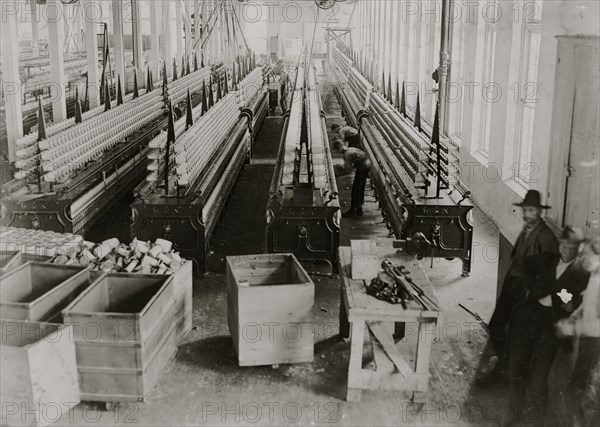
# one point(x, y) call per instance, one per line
point(444, 64)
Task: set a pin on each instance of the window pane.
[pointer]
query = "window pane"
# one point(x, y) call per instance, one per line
point(529, 72)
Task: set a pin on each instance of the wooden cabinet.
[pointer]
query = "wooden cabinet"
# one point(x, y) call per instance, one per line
point(573, 185)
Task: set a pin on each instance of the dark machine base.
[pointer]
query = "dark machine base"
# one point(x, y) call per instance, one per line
point(446, 226)
point(311, 233)
point(52, 212)
point(180, 220)
point(442, 221)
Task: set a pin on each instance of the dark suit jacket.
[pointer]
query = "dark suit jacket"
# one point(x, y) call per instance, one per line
point(540, 240)
point(541, 281)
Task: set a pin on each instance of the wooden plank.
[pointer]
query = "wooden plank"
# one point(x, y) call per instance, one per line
point(387, 342)
point(370, 380)
point(38, 368)
point(9, 261)
point(393, 316)
point(384, 364)
point(355, 362)
point(364, 259)
point(424, 345)
point(183, 294)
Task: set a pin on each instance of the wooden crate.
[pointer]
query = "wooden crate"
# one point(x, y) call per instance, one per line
point(124, 330)
point(182, 290)
point(270, 302)
point(9, 261)
point(39, 372)
point(38, 292)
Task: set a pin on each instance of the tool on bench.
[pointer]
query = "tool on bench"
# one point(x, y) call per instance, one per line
point(403, 280)
point(384, 288)
point(415, 244)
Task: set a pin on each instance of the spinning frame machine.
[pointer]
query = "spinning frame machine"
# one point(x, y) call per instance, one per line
point(195, 164)
point(415, 168)
point(303, 211)
point(71, 173)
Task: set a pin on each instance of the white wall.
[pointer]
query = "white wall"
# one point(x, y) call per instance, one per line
point(495, 196)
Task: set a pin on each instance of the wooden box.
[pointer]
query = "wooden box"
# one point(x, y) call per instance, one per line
point(9, 261)
point(39, 372)
point(124, 330)
point(365, 263)
point(270, 302)
point(38, 292)
point(182, 290)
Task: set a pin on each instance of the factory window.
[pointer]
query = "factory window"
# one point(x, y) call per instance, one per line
point(526, 97)
point(455, 93)
point(488, 88)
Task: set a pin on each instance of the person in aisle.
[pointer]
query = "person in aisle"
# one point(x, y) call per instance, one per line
point(556, 282)
point(583, 325)
point(354, 159)
point(535, 238)
point(347, 134)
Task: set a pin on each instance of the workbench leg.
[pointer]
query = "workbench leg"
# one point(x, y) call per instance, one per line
point(354, 392)
point(424, 344)
point(343, 317)
point(427, 332)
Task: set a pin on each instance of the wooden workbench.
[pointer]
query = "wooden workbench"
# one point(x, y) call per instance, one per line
point(359, 311)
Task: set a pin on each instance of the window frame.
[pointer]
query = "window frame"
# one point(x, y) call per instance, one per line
point(520, 166)
point(487, 76)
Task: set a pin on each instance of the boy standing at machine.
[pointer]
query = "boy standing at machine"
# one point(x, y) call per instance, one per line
point(354, 159)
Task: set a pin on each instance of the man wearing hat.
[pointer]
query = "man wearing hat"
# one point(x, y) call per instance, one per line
point(556, 282)
point(535, 238)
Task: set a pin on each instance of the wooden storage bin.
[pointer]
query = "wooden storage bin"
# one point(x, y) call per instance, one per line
point(182, 289)
point(27, 257)
point(270, 302)
point(38, 292)
point(39, 372)
point(124, 330)
point(9, 261)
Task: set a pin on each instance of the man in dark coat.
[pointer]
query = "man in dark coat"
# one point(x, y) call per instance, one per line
point(556, 282)
point(535, 238)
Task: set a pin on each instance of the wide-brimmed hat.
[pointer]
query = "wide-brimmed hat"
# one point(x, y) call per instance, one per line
point(532, 199)
point(572, 234)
